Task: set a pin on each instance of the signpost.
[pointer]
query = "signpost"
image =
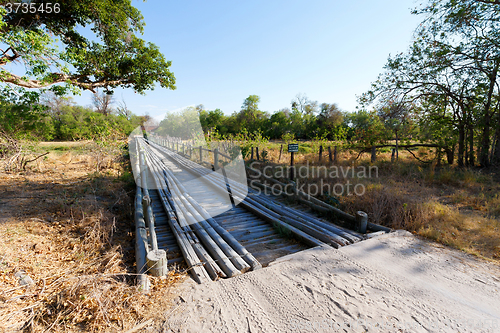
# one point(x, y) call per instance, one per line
point(292, 148)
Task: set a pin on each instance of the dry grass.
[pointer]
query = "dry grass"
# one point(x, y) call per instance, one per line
point(70, 229)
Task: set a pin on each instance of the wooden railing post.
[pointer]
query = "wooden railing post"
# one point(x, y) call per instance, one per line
point(216, 158)
point(374, 153)
point(361, 221)
point(201, 155)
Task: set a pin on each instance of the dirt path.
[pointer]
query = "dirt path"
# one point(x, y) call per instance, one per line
point(392, 283)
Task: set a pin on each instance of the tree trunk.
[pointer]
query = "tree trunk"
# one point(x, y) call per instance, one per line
point(450, 152)
point(397, 150)
point(485, 144)
point(496, 155)
point(461, 144)
point(472, 159)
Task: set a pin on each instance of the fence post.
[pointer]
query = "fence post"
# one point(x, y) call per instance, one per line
point(361, 221)
point(201, 155)
point(251, 156)
point(330, 158)
point(374, 153)
point(183, 149)
point(216, 158)
point(257, 153)
point(281, 151)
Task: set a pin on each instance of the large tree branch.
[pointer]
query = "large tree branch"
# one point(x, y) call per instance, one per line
point(5, 58)
point(77, 80)
point(490, 2)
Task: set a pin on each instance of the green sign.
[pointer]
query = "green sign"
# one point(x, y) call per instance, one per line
point(293, 147)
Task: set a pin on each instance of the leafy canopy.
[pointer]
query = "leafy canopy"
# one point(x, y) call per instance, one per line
point(54, 50)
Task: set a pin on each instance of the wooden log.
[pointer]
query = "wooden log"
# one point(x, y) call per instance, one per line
point(318, 202)
point(193, 212)
point(157, 262)
point(141, 242)
point(214, 244)
point(241, 250)
point(280, 224)
point(208, 263)
point(146, 203)
point(184, 239)
point(294, 219)
point(377, 227)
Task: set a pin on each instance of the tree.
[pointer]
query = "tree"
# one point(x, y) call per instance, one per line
point(250, 116)
point(114, 57)
point(102, 102)
point(455, 57)
point(304, 104)
point(466, 33)
point(56, 103)
point(122, 110)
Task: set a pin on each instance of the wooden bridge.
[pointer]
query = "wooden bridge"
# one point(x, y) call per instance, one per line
point(213, 237)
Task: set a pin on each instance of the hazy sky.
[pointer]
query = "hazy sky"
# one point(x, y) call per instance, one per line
point(224, 51)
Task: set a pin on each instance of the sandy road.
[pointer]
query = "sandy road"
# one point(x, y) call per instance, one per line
point(392, 283)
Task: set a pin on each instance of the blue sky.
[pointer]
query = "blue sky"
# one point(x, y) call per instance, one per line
point(224, 51)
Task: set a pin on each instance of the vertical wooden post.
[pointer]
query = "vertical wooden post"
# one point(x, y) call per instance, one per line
point(201, 155)
point(177, 147)
point(393, 155)
point(374, 153)
point(330, 158)
point(216, 158)
point(281, 151)
point(361, 221)
point(257, 153)
point(183, 149)
point(251, 156)
point(320, 153)
point(157, 262)
point(292, 171)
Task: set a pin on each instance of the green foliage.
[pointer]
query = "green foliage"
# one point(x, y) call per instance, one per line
point(77, 123)
point(23, 117)
point(184, 124)
point(367, 128)
point(54, 49)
